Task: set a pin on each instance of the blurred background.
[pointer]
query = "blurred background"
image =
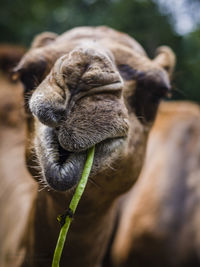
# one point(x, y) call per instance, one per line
point(151, 22)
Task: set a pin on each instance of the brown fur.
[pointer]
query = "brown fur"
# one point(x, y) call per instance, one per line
point(16, 187)
point(159, 223)
point(88, 86)
point(10, 55)
point(11, 102)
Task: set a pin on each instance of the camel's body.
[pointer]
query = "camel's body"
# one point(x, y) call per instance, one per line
point(94, 65)
point(15, 183)
point(160, 218)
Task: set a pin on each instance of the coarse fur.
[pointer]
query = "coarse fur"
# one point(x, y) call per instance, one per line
point(88, 86)
point(159, 221)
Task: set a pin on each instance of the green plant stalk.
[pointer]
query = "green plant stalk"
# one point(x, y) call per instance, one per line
point(73, 205)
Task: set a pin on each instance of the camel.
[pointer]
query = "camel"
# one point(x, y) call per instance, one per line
point(15, 191)
point(159, 220)
point(88, 86)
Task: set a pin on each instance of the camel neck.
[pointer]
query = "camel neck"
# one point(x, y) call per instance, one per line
point(87, 238)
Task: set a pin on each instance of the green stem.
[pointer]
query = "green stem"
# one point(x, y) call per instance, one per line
point(73, 205)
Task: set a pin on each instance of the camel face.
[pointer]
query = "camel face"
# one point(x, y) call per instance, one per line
point(89, 86)
point(78, 105)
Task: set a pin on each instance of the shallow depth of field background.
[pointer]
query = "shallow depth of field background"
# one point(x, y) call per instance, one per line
point(151, 22)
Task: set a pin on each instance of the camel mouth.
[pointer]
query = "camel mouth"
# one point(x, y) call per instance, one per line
point(62, 169)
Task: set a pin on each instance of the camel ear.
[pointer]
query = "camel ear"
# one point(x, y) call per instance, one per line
point(166, 59)
point(43, 39)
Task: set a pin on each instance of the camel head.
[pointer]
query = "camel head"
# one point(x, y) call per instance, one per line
point(89, 86)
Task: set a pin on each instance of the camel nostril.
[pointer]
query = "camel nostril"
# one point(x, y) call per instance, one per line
point(49, 115)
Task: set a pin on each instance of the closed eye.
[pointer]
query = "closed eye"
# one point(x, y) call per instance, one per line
point(127, 72)
point(30, 81)
point(32, 75)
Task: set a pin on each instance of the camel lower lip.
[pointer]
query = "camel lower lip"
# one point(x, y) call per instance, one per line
point(63, 177)
point(62, 169)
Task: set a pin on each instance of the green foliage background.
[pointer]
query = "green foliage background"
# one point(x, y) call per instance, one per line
point(20, 20)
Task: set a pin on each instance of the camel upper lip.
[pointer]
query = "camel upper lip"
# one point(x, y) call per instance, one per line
point(64, 154)
point(62, 169)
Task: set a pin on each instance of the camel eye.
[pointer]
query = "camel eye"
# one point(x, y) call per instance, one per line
point(29, 81)
point(32, 75)
point(151, 88)
point(127, 72)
